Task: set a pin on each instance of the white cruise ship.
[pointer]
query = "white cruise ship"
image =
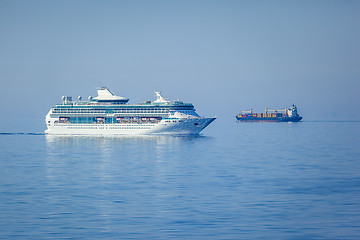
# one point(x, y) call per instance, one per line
point(110, 114)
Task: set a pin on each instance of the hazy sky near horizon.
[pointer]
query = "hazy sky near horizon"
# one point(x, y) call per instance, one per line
point(223, 56)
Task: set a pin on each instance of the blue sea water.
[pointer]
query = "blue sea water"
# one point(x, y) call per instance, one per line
point(235, 181)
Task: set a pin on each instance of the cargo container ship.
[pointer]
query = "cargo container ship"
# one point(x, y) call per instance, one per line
point(283, 115)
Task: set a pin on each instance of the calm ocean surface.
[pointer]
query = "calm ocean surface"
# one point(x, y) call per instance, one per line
point(235, 181)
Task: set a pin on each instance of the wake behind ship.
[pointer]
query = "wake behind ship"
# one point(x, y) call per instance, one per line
point(110, 114)
point(283, 115)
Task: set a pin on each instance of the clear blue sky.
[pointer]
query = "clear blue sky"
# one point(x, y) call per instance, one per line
point(223, 56)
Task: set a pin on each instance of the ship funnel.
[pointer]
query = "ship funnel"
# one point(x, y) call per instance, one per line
point(160, 98)
point(105, 95)
point(79, 97)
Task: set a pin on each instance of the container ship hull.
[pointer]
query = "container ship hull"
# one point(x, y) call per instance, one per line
point(268, 119)
point(282, 115)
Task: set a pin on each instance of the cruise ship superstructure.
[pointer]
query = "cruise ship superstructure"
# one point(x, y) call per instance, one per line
point(110, 114)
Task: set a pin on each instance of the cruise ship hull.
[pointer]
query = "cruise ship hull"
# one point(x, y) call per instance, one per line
point(190, 126)
point(108, 114)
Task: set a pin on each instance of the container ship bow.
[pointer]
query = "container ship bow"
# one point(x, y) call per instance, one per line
point(283, 115)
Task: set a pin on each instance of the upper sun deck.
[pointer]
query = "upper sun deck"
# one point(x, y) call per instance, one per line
point(141, 105)
point(106, 99)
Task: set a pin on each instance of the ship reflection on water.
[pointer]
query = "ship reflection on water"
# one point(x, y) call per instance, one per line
point(121, 148)
point(108, 140)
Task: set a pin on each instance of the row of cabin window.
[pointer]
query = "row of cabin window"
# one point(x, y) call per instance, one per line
point(109, 111)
